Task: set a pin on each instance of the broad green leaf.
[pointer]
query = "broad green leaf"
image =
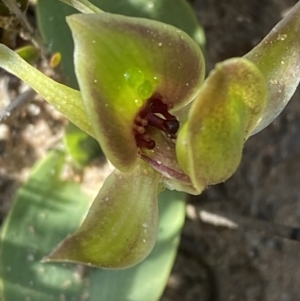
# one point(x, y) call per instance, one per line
point(120, 62)
point(146, 281)
point(45, 211)
point(50, 17)
point(278, 58)
point(66, 100)
point(120, 229)
point(209, 146)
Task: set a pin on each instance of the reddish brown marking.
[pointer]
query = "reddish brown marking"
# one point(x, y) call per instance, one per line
point(156, 114)
point(142, 143)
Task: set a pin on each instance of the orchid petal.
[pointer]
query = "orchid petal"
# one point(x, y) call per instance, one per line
point(209, 145)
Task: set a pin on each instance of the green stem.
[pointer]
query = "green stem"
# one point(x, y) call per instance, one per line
point(84, 6)
point(66, 100)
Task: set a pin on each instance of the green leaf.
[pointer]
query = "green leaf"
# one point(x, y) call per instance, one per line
point(120, 62)
point(209, 145)
point(120, 229)
point(143, 281)
point(278, 58)
point(45, 211)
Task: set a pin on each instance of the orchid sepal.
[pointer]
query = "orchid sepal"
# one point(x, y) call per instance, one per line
point(121, 226)
point(278, 58)
point(120, 62)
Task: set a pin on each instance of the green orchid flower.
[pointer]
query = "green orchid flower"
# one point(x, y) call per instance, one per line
point(143, 97)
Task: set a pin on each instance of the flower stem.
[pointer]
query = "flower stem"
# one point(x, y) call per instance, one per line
point(84, 6)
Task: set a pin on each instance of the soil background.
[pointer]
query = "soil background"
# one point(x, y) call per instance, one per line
point(215, 263)
point(223, 264)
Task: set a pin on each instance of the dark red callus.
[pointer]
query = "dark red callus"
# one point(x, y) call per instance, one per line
point(156, 114)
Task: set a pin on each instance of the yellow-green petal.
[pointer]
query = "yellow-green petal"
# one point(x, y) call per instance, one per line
point(209, 145)
point(121, 227)
point(120, 62)
point(278, 58)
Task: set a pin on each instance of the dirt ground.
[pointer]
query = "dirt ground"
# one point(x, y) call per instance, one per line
point(215, 263)
point(223, 264)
